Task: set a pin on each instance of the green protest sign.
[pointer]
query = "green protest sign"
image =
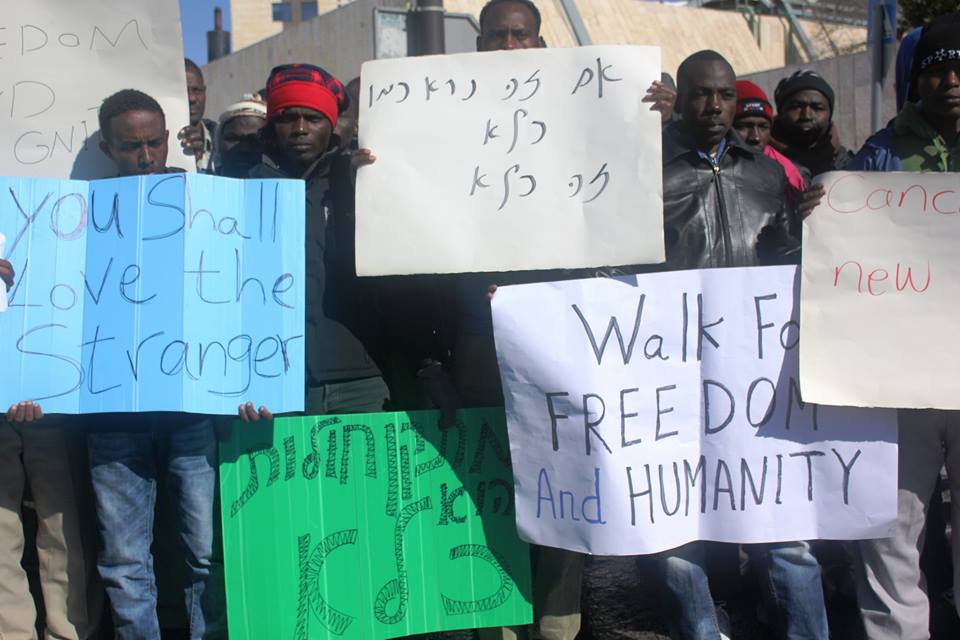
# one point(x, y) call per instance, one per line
point(371, 526)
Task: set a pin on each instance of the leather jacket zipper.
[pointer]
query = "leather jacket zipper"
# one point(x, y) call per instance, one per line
point(724, 223)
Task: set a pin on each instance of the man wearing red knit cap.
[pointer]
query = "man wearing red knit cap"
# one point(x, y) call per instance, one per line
point(303, 104)
point(753, 122)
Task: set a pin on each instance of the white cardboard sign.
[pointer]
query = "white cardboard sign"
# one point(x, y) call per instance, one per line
point(59, 60)
point(502, 161)
point(881, 291)
point(650, 411)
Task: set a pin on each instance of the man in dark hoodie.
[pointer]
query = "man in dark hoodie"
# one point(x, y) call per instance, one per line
point(803, 129)
point(342, 324)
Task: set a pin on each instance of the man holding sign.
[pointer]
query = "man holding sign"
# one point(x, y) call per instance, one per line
point(511, 25)
point(724, 206)
point(303, 104)
point(507, 25)
point(924, 137)
point(129, 454)
point(716, 186)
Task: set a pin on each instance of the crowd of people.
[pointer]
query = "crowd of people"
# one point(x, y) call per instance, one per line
point(738, 173)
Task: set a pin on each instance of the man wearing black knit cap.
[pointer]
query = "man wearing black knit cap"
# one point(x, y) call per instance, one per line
point(925, 136)
point(803, 129)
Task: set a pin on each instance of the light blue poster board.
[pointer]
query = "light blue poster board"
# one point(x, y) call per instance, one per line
point(176, 292)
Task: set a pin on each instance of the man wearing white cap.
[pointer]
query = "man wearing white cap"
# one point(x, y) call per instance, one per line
point(237, 147)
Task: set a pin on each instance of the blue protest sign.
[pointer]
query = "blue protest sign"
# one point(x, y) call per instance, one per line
point(172, 292)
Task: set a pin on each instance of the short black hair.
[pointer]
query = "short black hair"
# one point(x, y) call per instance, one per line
point(190, 65)
point(705, 55)
point(487, 8)
point(125, 101)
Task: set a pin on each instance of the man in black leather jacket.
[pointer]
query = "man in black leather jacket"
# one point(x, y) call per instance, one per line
point(725, 206)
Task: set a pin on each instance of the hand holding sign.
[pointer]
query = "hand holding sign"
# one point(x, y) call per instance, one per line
point(362, 158)
point(250, 414)
point(810, 200)
point(661, 99)
point(191, 140)
point(6, 275)
point(25, 411)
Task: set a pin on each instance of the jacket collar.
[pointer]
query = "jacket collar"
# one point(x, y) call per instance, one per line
point(677, 143)
point(318, 169)
point(910, 122)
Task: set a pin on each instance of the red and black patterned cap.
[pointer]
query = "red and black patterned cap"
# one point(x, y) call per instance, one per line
point(308, 86)
point(752, 101)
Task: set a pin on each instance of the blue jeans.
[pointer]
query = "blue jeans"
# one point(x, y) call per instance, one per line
point(125, 466)
point(790, 583)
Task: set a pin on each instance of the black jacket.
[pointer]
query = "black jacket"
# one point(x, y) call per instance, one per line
point(734, 214)
point(343, 322)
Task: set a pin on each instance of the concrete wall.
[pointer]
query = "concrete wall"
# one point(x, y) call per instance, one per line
point(851, 81)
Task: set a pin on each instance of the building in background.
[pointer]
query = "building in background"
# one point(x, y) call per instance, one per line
point(772, 39)
point(255, 20)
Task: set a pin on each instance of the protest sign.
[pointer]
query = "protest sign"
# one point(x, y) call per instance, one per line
point(502, 161)
point(881, 281)
point(649, 411)
point(158, 293)
point(59, 60)
point(371, 526)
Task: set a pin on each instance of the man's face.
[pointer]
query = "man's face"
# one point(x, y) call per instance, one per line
point(708, 102)
point(939, 90)
point(240, 145)
point(197, 96)
point(805, 117)
point(137, 143)
point(509, 26)
point(755, 131)
point(301, 135)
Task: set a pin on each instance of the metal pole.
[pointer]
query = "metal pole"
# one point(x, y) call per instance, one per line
point(876, 46)
point(429, 21)
point(805, 43)
point(576, 22)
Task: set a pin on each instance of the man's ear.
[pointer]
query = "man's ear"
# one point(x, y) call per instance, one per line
point(105, 148)
point(543, 43)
